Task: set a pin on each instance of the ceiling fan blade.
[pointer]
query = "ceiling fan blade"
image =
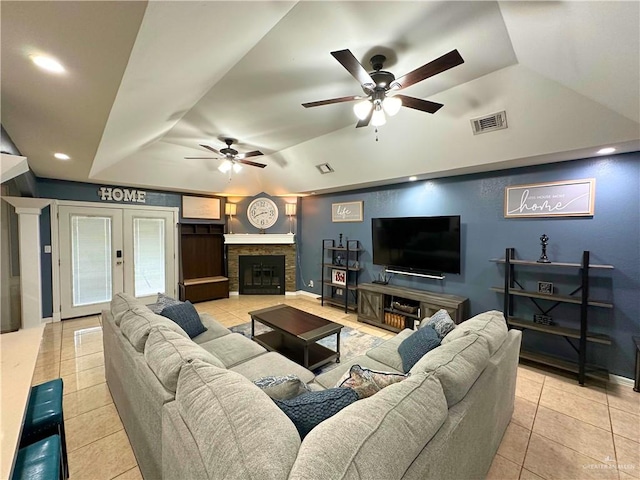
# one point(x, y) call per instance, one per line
point(439, 65)
point(255, 153)
point(253, 164)
point(201, 158)
point(333, 100)
point(419, 104)
point(210, 148)
point(353, 66)
point(365, 121)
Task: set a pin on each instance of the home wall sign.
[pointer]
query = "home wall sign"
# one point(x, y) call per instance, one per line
point(110, 194)
point(571, 198)
point(346, 212)
point(201, 207)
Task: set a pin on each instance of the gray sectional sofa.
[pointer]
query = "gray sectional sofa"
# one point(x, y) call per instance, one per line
point(191, 410)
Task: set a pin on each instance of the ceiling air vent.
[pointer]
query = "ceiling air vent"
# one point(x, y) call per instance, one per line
point(489, 123)
point(324, 168)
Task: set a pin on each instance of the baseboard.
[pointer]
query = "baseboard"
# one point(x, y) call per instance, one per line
point(234, 294)
point(618, 380)
point(315, 296)
point(47, 320)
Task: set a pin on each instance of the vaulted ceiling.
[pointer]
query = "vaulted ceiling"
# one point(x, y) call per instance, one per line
point(147, 82)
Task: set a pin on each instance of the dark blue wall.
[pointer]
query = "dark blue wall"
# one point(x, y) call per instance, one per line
point(612, 236)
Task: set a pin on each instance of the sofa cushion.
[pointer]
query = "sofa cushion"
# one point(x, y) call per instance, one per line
point(162, 302)
point(233, 349)
point(283, 387)
point(387, 352)
point(375, 438)
point(457, 364)
point(491, 325)
point(122, 303)
point(367, 382)
point(308, 410)
point(214, 329)
point(137, 323)
point(330, 378)
point(441, 323)
point(272, 364)
point(166, 351)
point(238, 430)
point(185, 315)
point(416, 345)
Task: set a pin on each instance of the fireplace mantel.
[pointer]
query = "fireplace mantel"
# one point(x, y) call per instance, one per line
point(259, 238)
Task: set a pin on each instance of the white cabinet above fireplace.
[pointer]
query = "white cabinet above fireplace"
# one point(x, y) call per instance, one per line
point(259, 238)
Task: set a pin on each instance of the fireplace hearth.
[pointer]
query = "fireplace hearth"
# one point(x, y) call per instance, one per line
point(261, 274)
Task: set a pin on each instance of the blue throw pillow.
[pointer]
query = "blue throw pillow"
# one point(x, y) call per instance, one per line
point(309, 409)
point(185, 315)
point(416, 345)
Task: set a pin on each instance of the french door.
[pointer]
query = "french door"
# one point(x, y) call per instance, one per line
point(104, 251)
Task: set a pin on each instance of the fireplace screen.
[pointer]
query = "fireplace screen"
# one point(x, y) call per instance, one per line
point(261, 275)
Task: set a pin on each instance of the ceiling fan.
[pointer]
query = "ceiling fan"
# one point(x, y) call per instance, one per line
point(232, 159)
point(379, 84)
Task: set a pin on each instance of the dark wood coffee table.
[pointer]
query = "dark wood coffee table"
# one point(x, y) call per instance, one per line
point(295, 334)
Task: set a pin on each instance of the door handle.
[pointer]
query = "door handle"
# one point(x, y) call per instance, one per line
point(119, 262)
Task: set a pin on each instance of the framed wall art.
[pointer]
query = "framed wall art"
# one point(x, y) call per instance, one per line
point(571, 198)
point(339, 277)
point(201, 207)
point(347, 211)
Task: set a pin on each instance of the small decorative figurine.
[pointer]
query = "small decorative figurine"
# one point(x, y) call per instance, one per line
point(340, 242)
point(544, 240)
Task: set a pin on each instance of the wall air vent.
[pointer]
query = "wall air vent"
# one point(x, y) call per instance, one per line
point(489, 123)
point(324, 168)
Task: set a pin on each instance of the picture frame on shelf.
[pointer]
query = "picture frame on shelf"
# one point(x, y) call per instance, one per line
point(338, 277)
point(545, 288)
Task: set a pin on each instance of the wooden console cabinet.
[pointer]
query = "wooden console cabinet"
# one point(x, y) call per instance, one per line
point(376, 306)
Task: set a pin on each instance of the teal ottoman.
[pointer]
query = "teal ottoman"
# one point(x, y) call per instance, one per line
point(41, 460)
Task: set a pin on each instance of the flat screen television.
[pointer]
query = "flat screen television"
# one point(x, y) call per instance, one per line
point(417, 244)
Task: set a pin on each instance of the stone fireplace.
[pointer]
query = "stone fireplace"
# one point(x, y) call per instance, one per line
point(248, 245)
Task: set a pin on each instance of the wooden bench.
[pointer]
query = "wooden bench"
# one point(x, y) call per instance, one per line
point(205, 288)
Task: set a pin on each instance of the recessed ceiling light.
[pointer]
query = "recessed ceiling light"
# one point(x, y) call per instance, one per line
point(62, 156)
point(604, 151)
point(413, 178)
point(47, 63)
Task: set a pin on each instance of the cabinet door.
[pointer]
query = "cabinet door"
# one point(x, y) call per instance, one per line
point(428, 309)
point(370, 305)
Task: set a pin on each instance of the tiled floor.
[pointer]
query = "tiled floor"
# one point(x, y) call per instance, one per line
point(559, 430)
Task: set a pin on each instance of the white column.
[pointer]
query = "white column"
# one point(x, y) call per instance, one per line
point(28, 210)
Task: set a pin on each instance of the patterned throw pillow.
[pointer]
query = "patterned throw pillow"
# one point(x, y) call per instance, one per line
point(162, 302)
point(416, 345)
point(366, 382)
point(282, 388)
point(185, 315)
point(441, 323)
point(308, 410)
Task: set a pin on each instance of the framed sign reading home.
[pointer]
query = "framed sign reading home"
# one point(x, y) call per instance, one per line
point(201, 207)
point(346, 212)
point(571, 198)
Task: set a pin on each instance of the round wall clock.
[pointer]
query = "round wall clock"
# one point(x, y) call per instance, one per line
point(262, 213)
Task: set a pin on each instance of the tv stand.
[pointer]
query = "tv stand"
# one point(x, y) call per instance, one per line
point(376, 306)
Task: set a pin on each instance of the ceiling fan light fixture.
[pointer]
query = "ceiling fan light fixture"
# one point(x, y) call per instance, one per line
point(378, 118)
point(392, 105)
point(225, 166)
point(237, 167)
point(362, 109)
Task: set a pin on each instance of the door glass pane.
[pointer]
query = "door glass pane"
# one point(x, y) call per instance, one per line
point(91, 259)
point(148, 255)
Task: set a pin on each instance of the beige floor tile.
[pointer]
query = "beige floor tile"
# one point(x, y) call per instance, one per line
point(45, 373)
point(78, 364)
point(527, 475)
point(86, 400)
point(80, 323)
point(624, 398)
point(503, 469)
point(590, 392)
point(133, 474)
point(83, 379)
point(102, 460)
point(625, 476)
point(50, 343)
point(530, 373)
point(514, 443)
point(88, 427)
point(82, 336)
point(53, 327)
point(80, 349)
point(625, 424)
point(48, 358)
point(577, 407)
point(528, 389)
point(524, 412)
point(628, 455)
point(575, 434)
point(553, 461)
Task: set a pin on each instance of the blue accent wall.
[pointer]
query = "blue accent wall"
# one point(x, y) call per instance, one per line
point(612, 236)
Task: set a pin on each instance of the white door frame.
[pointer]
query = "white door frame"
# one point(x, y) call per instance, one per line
point(55, 244)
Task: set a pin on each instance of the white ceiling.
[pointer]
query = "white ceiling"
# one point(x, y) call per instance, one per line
point(146, 83)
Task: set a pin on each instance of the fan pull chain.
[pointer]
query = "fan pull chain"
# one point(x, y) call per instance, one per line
point(376, 130)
